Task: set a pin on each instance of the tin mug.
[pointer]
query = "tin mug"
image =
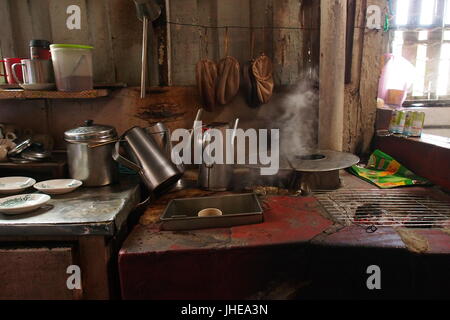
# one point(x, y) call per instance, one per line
point(34, 71)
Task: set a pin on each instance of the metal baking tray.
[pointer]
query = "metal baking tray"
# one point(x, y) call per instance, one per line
point(181, 214)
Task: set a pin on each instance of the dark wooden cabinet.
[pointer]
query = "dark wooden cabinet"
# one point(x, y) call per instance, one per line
point(36, 273)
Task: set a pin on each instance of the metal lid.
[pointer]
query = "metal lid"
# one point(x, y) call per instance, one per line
point(40, 43)
point(70, 46)
point(322, 161)
point(20, 147)
point(91, 132)
point(36, 155)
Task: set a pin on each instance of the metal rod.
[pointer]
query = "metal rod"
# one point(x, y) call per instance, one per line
point(144, 55)
point(385, 208)
point(236, 124)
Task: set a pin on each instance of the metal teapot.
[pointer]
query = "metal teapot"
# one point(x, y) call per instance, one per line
point(153, 165)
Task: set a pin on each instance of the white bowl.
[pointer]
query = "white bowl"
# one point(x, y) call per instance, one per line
point(58, 186)
point(23, 203)
point(210, 212)
point(11, 185)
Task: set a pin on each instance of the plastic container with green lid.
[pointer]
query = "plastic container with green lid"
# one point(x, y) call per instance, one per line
point(73, 66)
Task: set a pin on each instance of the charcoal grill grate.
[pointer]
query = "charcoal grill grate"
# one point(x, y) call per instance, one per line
point(382, 208)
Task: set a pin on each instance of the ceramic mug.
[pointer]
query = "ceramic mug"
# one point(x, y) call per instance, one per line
point(3, 77)
point(7, 66)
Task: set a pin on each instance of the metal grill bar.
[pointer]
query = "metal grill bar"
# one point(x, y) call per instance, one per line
point(385, 208)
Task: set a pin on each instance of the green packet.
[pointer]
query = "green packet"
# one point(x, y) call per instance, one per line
point(386, 172)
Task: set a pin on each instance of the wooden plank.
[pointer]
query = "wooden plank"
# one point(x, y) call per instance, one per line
point(332, 74)
point(239, 39)
point(153, 56)
point(34, 165)
point(163, 45)
point(100, 38)
point(310, 19)
point(94, 260)
point(30, 94)
point(126, 33)
point(185, 41)
point(287, 42)
point(57, 167)
point(58, 17)
point(261, 15)
point(36, 273)
point(352, 99)
point(349, 37)
point(209, 43)
point(21, 27)
point(6, 36)
point(375, 44)
point(40, 19)
point(360, 94)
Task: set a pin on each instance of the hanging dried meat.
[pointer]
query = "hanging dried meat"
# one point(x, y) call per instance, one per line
point(249, 85)
point(228, 80)
point(262, 70)
point(206, 76)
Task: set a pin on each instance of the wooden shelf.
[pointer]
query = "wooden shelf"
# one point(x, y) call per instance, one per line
point(57, 166)
point(34, 94)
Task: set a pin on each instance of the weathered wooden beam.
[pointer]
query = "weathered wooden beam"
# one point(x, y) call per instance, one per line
point(332, 73)
point(164, 44)
point(375, 45)
point(361, 93)
point(351, 10)
point(185, 39)
point(94, 260)
point(6, 37)
point(287, 43)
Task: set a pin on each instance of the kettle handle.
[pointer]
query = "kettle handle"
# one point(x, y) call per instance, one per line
point(122, 160)
point(131, 165)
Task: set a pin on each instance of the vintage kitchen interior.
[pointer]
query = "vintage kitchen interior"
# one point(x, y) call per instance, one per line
point(224, 149)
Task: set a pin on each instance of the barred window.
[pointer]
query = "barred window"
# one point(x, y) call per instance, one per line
point(421, 34)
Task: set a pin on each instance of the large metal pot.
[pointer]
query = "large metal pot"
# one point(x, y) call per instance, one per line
point(89, 151)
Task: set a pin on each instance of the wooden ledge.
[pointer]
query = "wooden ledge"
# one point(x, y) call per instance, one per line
point(427, 156)
point(35, 94)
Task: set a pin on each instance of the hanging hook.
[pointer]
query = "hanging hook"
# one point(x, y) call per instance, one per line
point(252, 43)
point(226, 41)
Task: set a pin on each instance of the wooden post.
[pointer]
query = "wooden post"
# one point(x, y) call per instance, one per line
point(94, 259)
point(332, 73)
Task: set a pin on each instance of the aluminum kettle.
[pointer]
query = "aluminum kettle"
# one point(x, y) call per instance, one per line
point(156, 170)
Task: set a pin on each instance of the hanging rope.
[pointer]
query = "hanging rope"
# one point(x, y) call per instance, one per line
point(236, 27)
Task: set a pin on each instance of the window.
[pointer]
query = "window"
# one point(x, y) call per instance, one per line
point(421, 34)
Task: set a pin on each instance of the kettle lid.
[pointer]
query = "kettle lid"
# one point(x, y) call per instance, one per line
point(91, 132)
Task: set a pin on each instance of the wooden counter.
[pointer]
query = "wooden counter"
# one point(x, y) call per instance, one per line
point(84, 228)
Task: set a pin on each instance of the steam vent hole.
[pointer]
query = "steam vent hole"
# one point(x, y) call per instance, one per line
point(314, 156)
